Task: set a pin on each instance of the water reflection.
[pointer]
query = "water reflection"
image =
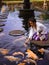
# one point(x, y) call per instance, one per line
point(44, 16)
point(26, 14)
point(25, 24)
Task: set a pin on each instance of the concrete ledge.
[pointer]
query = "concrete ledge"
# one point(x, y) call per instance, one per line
point(41, 43)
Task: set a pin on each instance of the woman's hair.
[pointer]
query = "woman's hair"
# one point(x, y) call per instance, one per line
point(33, 20)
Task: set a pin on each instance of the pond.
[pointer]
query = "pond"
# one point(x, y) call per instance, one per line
point(15, 23)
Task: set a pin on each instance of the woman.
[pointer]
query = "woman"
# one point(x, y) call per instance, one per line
point(37, 31)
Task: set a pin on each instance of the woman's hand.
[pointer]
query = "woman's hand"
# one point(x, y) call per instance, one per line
point(25, 44)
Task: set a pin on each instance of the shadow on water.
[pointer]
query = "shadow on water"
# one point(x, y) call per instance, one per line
point(25, 24)
point(26, 14)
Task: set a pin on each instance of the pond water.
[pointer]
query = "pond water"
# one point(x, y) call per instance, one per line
point(10, 42)
point(16, 43)
point(15, 23)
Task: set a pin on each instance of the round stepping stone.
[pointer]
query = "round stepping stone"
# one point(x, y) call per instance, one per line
point(2, 20)
point(2, 24)
point(1, 29)
point(16, 33)
point(41, 43)
point(3, 17)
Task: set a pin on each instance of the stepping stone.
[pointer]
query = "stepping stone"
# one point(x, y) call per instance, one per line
point(16, 33)
point(2, 24)
point(44, 43)
point(2, 20)
point(3, 17)
point(1, 29)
